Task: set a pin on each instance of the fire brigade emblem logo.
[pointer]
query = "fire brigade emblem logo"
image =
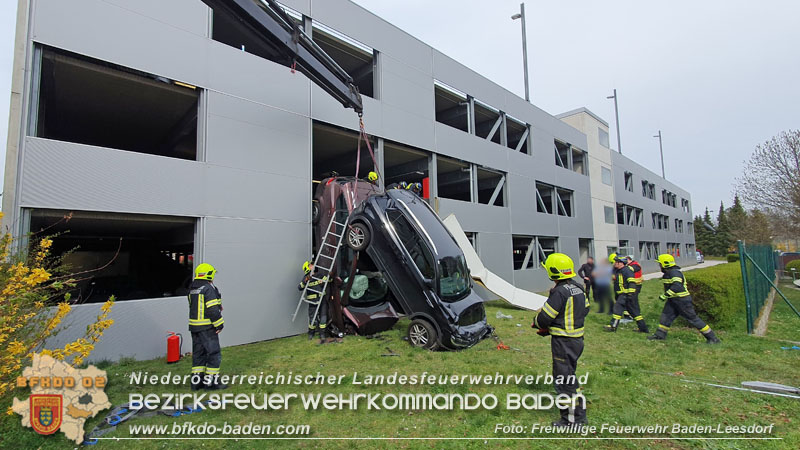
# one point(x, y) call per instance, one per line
point(45, 413)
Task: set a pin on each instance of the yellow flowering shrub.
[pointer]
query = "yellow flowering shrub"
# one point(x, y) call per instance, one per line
point(33, 303)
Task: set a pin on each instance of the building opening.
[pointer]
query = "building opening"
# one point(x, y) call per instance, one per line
point(334, 150)
point(452, 106)
point(491, 187)
point(87, 101)
point(454, 178)
point(517, 135)
point(357, 59)
point(129, 256)
point(488, 122)
point(403, 163)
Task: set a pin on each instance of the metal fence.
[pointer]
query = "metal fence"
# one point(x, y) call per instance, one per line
point(758, 275)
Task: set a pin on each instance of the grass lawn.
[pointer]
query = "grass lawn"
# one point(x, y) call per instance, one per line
point(631, 382)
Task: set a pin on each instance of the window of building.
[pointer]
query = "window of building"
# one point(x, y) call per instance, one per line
point(690, 227)
point(668, 198)
point(564, 202)
point(333, 149)
point(609, 214)
point(518, 135)
point(674, 249)
point(488, 122)
point(452, 106)
point(660, 222)
point(530, 251)
point(562, 154)
point(402, 163)
point(413, 243)
point(678, 225)
point(649, 250)
point(129, 256)
point(454, 179)
point(356, 58)
point(605, 175)
point(628, 181)
point(92, 102)
point(473, 239)
point(629, 215)
point(603, 137)
point(690, 250)
point(685, 205)
point(545, 194)
point(491, 187)
point(579, 161)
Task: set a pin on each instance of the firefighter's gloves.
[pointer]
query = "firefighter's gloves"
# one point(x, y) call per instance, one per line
point(662, 297)
point(219, 328)
point(543, 332)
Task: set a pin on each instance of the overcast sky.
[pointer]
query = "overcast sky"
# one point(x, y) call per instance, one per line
point(716, 76)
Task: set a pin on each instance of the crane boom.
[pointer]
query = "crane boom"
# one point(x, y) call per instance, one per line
point(275, 33)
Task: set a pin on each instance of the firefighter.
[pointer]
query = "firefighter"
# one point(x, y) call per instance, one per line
point(372, 177)
point(321, 319)
point(624, 294)
point(678, 302)
point(562, 318)
point(637, 279)
point(415, 188)
point(205, 324)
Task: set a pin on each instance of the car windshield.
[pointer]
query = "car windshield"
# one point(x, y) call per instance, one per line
point(453, 278)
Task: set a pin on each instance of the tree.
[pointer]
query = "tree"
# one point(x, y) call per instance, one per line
point(757, 230)
point(770, 181)
point(737, 219)
point(703, 236)
point(722, 238)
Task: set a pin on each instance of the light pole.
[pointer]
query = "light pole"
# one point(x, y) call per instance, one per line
point(661, 149)
point(521, 15)
point(616, 113)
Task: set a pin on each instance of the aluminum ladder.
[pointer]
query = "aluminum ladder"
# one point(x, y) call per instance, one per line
point(323, 264)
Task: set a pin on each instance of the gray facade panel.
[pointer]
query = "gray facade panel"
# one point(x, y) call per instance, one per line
point(495, 252)
point(62, 175)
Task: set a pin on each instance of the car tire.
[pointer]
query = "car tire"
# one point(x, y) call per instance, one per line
point(315, 212)
point(423, 335)
point(357, 236)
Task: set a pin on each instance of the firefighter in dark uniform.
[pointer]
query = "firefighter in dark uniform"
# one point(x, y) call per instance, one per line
point(678, 302)
point(205, 324)
point(637, 278)
point(624, 284)
point(321, 320)
point(562, 318)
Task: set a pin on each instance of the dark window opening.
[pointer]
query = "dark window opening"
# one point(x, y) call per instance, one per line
point(518, 135)
point(544, 198)
point(579, 161)
point(452, 107)
point(585, 248)
point(546, 246)
point(524, 252)
point(453, 179)
point(562, 154)
point(139, 256)
point(88, 101)
point(564, 200)
point(357, 59)
point(488, 122)
point(491, 187)
point(334, 150)
point(239, 36)
point(629, 181)
point(402, 163)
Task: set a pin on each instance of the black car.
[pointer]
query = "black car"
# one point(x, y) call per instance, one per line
point(424, 268)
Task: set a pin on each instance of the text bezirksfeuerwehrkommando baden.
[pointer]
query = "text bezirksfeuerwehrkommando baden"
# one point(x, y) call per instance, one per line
point(356, 378)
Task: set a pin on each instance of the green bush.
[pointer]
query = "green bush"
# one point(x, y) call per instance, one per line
point(718, 295)
point(733, 257)
point(794, 264)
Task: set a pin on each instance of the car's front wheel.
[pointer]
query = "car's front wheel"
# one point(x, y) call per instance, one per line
point(422, 334)
point(358, 236)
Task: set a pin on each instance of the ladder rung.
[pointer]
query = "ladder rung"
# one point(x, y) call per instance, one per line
point(316, 292)
point(329, 245)
point(326, 256)
point(340, 224)
point(311, 302)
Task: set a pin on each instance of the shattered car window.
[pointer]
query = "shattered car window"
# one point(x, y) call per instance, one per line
point(412, 242)
point(454, 278)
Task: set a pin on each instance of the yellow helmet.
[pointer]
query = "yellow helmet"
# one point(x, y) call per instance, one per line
point(307, 267)
point(612, 257)
point(372, 176)
point(559, 266)
point(665, 260)
point(205, 271)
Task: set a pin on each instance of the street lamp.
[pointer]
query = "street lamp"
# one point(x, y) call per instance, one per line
point(661, 149)
point(521, 15)
point(616, 113)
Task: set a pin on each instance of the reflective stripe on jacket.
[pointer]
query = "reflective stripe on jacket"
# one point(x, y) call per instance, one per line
point(205, 306)
point(625, 281)
point(565, 310)
point(674, 283)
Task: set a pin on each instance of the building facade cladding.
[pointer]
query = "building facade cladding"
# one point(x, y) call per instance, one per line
point(250, 187)
point(635, 235)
